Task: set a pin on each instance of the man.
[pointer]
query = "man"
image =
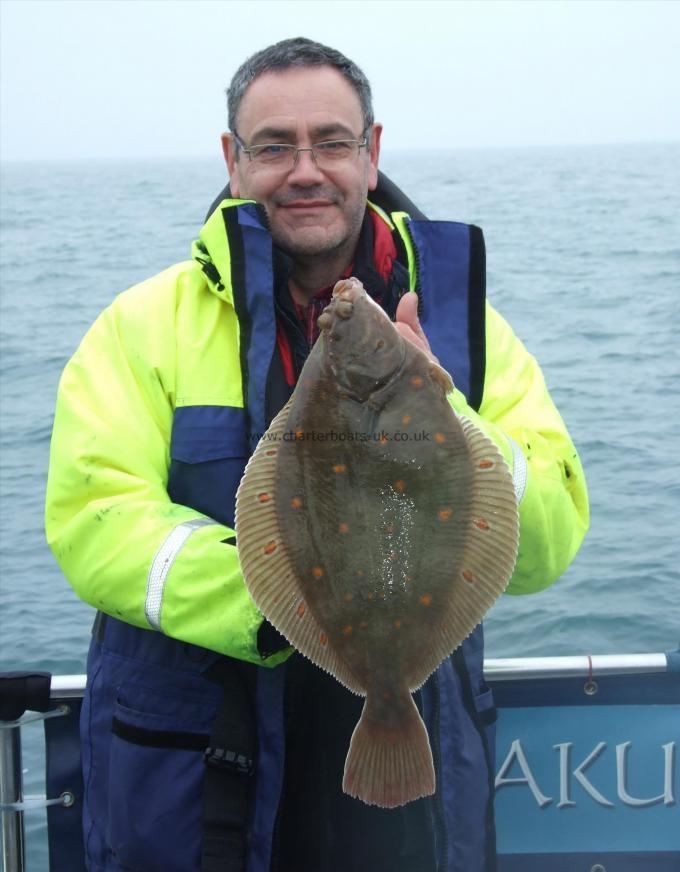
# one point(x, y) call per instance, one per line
point(157, 413)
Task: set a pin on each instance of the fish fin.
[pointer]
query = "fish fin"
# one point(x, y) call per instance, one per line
point(267, 571)
point(489, 539)
point(439, 375)
point(389, 763)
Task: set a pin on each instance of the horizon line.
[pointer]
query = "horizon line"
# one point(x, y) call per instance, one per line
point(400, 150)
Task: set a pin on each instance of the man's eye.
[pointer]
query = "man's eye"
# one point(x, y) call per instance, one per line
point(336, 145)
point(272, 150)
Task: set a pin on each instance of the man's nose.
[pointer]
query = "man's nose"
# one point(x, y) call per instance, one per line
point(305, 171)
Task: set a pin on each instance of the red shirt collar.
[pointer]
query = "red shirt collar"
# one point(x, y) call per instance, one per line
point(384, 255)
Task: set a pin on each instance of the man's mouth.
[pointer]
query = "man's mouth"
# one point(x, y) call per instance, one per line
point(306, 204)
point(299, 200)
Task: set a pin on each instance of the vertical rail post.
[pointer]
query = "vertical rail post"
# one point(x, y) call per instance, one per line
point(11, 791)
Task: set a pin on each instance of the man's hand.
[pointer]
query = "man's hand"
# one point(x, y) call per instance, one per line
point(408, 325)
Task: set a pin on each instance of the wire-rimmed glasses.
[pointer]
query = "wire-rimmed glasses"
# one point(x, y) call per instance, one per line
point(283, 156)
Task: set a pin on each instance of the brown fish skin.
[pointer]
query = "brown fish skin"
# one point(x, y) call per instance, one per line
point(362, 367)
point(379, 529)
point(389, 494)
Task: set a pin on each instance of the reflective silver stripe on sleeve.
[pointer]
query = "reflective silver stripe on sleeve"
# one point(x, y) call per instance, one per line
point(162, 564)
point(520, 469)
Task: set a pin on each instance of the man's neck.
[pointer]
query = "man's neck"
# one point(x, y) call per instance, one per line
point(309, 276)
point(303, 288)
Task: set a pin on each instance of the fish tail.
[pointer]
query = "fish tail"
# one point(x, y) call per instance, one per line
point(389, 761)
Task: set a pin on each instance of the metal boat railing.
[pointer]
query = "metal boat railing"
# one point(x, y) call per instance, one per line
point(64, 688)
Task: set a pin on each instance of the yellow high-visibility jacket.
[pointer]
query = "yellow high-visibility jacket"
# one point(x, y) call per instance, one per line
point(173, 341)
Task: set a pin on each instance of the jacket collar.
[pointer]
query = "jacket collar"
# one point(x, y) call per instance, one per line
point(211, 250)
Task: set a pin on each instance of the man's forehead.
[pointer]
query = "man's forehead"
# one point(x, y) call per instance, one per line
point(282, 99)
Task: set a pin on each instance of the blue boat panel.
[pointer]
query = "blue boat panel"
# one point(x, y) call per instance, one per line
point(603, 779)
point(643, 689)
point(649, 861)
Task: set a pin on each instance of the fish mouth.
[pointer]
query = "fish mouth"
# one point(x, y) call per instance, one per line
point(345, 294)
point(348, 289)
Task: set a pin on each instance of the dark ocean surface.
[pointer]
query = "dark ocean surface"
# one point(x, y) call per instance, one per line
point(583, 253)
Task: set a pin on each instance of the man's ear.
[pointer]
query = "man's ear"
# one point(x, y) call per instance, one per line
point(373, 155)
point(229, 150)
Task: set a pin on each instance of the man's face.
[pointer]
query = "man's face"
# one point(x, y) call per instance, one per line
point(312, 212)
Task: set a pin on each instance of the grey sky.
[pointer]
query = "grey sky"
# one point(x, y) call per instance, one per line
point(125, 79)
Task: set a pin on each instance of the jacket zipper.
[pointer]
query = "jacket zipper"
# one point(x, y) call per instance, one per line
point(439, 819)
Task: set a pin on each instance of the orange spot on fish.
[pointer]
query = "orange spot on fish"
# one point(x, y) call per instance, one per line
point(347, 631)
point(393, 555)
point(389, 528)
point(486, 464)
point(271, 547)
point(301, 609)
point(383, 440)
point(323, 639)
point(299, 433)
point(426, 599)
point(370, 595)
point(407, 578)
point(417, 381)
point(439, 437)
point(343, 528)
point(317, 572)
point(406, 420)
point(360, 573)
point(397, 624)
point(349, 597)
point(339, 467)
point(400, 485)
point(482, 524)
point(271, 452)
point(264, 498)
point(296, 503)
point(445, 514)
point(468, 576)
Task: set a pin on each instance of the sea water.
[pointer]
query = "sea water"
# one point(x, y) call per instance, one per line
point(583, 257)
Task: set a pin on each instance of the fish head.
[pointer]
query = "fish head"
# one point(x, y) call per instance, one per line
point(361, 346)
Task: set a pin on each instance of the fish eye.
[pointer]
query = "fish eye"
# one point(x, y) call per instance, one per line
point(344, 308)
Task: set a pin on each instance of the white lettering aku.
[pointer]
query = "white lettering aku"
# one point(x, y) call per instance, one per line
point(516, 755)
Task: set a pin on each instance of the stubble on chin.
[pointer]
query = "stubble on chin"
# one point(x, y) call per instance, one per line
point(308, 242)
point(311, 241)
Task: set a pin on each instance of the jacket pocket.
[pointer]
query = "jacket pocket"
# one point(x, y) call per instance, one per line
point(486, 708)
point(156, 779)
point(208, 454)
point(488, 715)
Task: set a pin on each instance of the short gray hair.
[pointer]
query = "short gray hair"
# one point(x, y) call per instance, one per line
point(297, 52)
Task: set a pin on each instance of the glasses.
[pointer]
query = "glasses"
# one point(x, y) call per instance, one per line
point(281, 156)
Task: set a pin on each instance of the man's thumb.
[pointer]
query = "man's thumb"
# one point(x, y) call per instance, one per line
point(407, 313)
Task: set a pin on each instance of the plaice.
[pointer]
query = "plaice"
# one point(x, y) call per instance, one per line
point(375, 529)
